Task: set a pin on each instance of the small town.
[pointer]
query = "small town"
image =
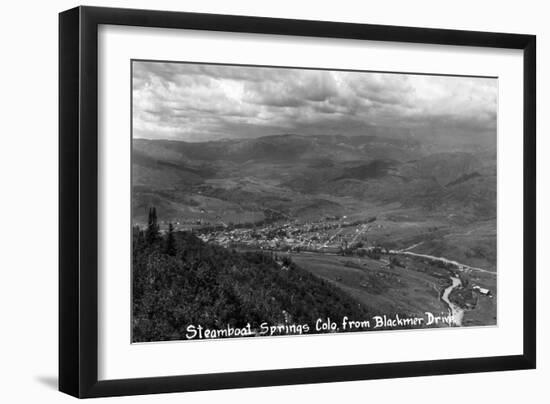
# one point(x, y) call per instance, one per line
point(331, 235)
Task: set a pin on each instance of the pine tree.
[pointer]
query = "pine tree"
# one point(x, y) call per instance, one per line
point(152, 233)
point(170, 248)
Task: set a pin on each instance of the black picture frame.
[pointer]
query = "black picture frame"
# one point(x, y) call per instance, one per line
point(78, 203)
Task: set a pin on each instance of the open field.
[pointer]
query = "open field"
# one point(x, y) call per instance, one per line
point(390, 290)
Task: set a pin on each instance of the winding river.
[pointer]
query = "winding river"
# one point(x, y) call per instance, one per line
point(455, 310)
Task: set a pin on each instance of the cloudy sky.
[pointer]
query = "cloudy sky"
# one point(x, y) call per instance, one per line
point(195, 102)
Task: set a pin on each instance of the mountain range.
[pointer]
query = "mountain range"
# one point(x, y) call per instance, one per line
point(305, 177)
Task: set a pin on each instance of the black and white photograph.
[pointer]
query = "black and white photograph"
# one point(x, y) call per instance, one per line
point(278, 201)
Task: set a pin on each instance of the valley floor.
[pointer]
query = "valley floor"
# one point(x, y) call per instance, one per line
point(408, 285)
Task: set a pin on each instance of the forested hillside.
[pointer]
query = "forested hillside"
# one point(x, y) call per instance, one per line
point(178, 280)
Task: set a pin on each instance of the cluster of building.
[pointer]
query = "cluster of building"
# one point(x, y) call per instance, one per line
point(321, 236)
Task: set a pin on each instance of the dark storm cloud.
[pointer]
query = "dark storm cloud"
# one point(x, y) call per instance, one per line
point(196, 102)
